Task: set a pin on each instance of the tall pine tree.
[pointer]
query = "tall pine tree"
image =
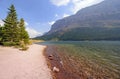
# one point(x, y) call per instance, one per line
point(23, 33)
point(11, 33)
point(1, 33)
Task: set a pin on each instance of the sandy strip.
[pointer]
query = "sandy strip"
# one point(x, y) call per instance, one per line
point(30, 64)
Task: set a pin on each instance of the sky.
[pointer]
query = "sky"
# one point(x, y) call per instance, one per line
point(39, 15)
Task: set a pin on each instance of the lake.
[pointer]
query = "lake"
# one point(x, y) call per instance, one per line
point(85, 59)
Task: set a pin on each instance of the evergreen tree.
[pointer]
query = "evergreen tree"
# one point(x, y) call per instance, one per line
point(0, 33)
point(23, 33)
point(11, 33)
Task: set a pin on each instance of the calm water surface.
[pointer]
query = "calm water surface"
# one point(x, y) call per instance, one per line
point(103, 55)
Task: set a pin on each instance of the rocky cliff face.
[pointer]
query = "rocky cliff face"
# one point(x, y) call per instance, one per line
point(103, 15)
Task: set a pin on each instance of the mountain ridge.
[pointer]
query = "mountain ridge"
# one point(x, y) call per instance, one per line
point(103, 15)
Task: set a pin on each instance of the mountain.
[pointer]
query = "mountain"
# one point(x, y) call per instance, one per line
point(97, 22)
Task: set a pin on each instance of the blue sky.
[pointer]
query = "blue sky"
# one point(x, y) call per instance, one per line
point(39, 15)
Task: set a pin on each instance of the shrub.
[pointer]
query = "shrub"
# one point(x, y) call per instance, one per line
point(9, 43)
point(23, 46)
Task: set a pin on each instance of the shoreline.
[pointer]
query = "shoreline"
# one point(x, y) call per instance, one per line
point(71, 67)
point(30, 64)
point(55, 61)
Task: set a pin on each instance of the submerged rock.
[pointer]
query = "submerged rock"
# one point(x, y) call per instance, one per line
point(50, 57)
point(55, 69)
point(61, 62)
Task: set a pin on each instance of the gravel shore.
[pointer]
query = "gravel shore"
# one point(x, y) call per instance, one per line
point(30, 64)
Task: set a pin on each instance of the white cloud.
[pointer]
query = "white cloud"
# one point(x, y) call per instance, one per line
point(74, 5)
point(32, 32)
point(60, 2)
point(51, 23)
point(1, 23)
point(65, 15)
point(79, 4)
point(26, 23)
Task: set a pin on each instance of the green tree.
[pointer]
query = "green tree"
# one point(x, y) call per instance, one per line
point(11, 33)
point(1, 33)
point(22, 32)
